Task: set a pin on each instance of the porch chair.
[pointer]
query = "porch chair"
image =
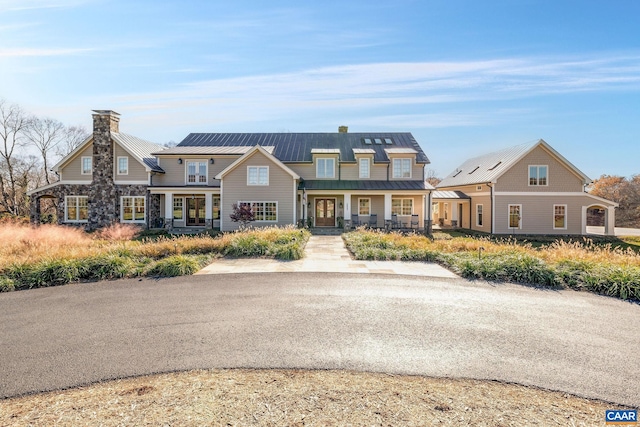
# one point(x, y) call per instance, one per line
point(355, 220)
point(373, 221)
point(414, 221)
point(394, 221)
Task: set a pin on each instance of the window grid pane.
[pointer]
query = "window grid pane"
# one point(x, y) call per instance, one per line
point(216, 207)
point(177, 208)
point(364, 168)
point(364, 207)
point(123, 165)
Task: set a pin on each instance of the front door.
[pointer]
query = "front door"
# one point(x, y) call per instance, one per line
point(195, 211)
point(325, 212)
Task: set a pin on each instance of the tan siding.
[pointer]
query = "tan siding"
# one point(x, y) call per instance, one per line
point(175, 174)
point(537, 214)
point(349, 171)
point(485, 201)
point(304, 170)
point(280, 189)
point(72, 171)
point(137, 171)
point(560, 176)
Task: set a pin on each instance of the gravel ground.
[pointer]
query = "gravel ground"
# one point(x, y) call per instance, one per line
point(296, 398)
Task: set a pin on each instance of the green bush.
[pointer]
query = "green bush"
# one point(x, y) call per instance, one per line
point(176, 265)
point(108, 266)
point(6, 284)
point(50, 272)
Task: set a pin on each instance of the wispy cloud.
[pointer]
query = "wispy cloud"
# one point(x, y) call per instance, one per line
point(23, 52)
point(16, 5)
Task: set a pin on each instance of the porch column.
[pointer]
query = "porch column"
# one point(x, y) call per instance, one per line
point(428, 222)
point(168, 210)
point(610, 221)
point(208, 210)
point(454, 214)
point(347, 205)
point(584, 221)
point(387, 207)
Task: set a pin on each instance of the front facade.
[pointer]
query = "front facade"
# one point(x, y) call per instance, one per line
point(527, 189)
point(317, 179)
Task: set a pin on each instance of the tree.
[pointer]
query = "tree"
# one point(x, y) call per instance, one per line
point(242, 213)
point(625, 192)
point(44, 134)
point(72, 137)
point(13, 122)
point(432, 178)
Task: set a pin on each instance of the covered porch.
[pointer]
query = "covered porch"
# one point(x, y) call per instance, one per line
point(185, 208)
point(451, 209)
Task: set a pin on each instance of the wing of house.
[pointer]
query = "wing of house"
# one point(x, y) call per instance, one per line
point(526, 189)
point(104, 180)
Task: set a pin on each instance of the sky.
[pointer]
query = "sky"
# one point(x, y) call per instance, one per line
point(464, 77)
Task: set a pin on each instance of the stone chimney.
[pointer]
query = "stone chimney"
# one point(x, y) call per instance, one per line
point(343, 129)
point(102, 197)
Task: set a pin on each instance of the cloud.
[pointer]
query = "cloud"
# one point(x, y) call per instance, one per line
point(16, 5)
point(23, 52)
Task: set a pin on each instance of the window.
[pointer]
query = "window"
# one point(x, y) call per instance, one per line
point(132, 209)
point(538, 175)
point(479, 218)
point(263, 211)
point(325, 168)
point(388, 141)
point(76, 208)
point(560, 217)
point(216, 207)
point(367, 141)
point(258, 175)
point(378, 141)
point(123, 165)
point(87, 165)
point(364, 168)
point(402, 206)
point(178, 207)
point(515, 216)
point(196, 173)
point(402, 168)
point(364, 206)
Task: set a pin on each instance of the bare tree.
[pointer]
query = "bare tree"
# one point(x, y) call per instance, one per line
point(72, 137)
point(13, 122)
point(431, 177)
point(45, 134)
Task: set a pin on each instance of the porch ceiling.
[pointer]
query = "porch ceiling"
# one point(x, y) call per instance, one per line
point(362, 185)
point(448, 195)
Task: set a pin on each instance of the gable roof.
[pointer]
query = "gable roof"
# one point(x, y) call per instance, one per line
point(489, 167)
point(138, 148)
point(297, 147)
point(248, 154)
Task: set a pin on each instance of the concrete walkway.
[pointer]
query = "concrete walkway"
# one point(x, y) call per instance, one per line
point(326, 254)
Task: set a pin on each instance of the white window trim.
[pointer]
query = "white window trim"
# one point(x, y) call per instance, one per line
point(565, 217)
point(529, 175)
point(360, 175)
point(368, 207)
point(258, 175)
point(66, 209)
point(118, 165)
point(213, 205)
point(333, 170)
point(519, 227)
point(173, 212)
point(133, 221)
point(186, 171)
point(402, 160)
point(251, 202)
point(479, 205)
point(82, 172)
point(402, 200)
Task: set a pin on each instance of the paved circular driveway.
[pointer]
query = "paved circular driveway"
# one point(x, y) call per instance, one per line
point(76, 334)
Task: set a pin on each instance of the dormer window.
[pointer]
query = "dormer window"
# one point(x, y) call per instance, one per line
point(196, 172)
point(325, 167)
point(364, 167)
point(402, 168)
point(538, 175)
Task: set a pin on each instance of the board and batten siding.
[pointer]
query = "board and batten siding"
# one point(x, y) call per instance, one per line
point(72, 171)
point(175, 173)
point(280, 190)
point(560, 176)
point(137, 171)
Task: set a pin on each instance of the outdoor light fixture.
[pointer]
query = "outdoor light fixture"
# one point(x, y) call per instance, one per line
point(179, 161)
point(211, 161)
point(308, 204)
point(340, 205)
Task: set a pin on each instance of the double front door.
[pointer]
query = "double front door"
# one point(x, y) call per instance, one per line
point(195, 211)
point(325, 212)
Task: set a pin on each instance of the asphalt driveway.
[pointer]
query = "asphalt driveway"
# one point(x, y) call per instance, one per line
point(76, 334)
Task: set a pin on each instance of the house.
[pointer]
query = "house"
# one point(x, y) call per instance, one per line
point(324, 179)
point(526, 189)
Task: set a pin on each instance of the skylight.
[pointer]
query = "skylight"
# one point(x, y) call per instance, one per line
point(457, 173)
point(476, 168)
point(495, 166)
point(367, 141)
point(378, 141)
point(388, 141)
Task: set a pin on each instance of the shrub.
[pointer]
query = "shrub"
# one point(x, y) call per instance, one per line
point(107, 266)
point(176, 265)
point(6, 284)
point(50, 272)
point(118, 232)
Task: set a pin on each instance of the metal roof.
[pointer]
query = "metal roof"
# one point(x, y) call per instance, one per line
point(141, 149)
point(296, 147)
point(400, 150)
point(321, 184)
point(325, 151)
point(208, 150)
point(363, 151)
point(449, 195)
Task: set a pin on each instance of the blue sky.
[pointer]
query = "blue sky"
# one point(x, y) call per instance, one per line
point(465, 77)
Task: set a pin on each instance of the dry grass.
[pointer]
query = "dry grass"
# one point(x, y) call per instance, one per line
point(295, 398)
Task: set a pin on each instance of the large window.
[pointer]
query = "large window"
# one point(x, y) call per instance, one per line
point(196, 172)
point(87, 165)
point(178, 208)
point(258, 175)
point(402, 206)
point(402, 168)
point(364, 206)
point(263, 211)
point(365, 169)
point(216, 207)
point(123, 165)
point(538, 175)
point(479, 215)
point(560, 217)
point(132, 209)
point(76, 209)
point(325, 168)
point(515, 216)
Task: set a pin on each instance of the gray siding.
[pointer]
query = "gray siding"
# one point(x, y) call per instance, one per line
point(280, 190)
point(175, 173)
point(72, 171)
point(137, 171)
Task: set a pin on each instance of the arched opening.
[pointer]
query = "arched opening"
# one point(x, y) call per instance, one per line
point(598, 219)
point(44, 209)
